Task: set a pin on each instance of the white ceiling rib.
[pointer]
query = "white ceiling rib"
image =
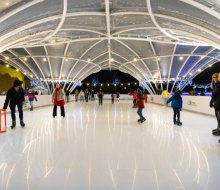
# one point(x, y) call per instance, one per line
point(112, 36)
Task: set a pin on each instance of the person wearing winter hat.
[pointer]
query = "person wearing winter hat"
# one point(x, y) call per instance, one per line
point(215, 101)
point(176, 104)
point(15, 97)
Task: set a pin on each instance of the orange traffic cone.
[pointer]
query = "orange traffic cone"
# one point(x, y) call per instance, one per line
point(2, 121)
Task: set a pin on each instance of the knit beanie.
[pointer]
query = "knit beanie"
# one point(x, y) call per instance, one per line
point(17, 83)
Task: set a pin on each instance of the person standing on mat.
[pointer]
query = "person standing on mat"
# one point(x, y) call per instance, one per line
point(15, 97)
point(58, 100)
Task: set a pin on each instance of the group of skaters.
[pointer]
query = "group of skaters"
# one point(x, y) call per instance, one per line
point(16, 98)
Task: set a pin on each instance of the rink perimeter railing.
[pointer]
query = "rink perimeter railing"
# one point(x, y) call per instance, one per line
point(198, 104)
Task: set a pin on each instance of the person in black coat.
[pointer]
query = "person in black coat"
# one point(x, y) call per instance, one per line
point(215, 101)
point(15, 97)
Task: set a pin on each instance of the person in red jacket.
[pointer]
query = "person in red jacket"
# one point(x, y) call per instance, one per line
point(58, 100)
point(140, 105)
point(134, 95)
point(31, 97)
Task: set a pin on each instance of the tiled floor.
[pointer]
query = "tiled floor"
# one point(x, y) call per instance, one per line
point(104, 148)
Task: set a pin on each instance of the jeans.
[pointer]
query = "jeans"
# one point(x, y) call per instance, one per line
point(100, 100)
point(217, 115)
point(20, 110)
point(176, 113)
point(61, 109)
point(139, 112)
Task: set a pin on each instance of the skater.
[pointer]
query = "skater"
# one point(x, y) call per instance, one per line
point(76, 95)
point(82, 95)
point(100, 96)
point(113, 98)
point(145, 97)
point(86, 95)
point(134, 95)
point(165, 96)
point(15, 97)
point(140, 105)
point(58, 100)
point(215, 101)
point(31, 97)
point(67, 95)
point(176, 104)
point(117, 96)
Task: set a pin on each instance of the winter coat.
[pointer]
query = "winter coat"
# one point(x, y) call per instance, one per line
point(134, 95)
point(31, 97)
point(14, 97)
point(215, 100)
point(140, 102)
point(58, 97)
point(176, 101)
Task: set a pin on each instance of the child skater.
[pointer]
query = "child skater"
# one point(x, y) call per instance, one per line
point(31, 98)
point(113, 98)
point(140, 105)
point(176, 104)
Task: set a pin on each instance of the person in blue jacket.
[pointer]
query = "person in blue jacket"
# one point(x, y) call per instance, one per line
point(176, 104)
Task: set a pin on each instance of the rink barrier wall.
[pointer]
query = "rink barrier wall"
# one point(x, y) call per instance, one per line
point(199, 104)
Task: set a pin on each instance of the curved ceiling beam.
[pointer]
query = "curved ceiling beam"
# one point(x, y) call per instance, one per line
point(155, 54)
point(39, 69)
point(194, 36)
point(65, 4)
point(202, 7)
point(83, 54)
point(171, 63)
point(64, 59)
point(48, 60)
point(24, 63)
point(156, 23)
point(45, 20)
point(125, 45)
point(192, 52)
point(206, 55)
point(108, 27)
point(19, 9)
point(173, 19)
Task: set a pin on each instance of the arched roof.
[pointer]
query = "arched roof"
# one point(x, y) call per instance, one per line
point(152, 40)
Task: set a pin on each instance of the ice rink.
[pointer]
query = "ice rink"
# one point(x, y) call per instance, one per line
point(104, 148)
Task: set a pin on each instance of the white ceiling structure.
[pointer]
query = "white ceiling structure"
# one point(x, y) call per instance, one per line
point(152, 40)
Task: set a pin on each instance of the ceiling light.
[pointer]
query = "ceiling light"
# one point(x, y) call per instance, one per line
point(210, 65)
point(158, 59)
point(181, 58)
point(108, 84)
point(88, 59)
point(112, 59)
point(7, 58)
point(44, 59)
point(199, 70)
point(122, 84)
point(31, 76)
point(7, 4)
point(135, 59)
point(66, 59)
point(202, 56)
point(190, 73)
point(129, 84)
point(17, 70)
point(25, 73)
point(7, 65)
